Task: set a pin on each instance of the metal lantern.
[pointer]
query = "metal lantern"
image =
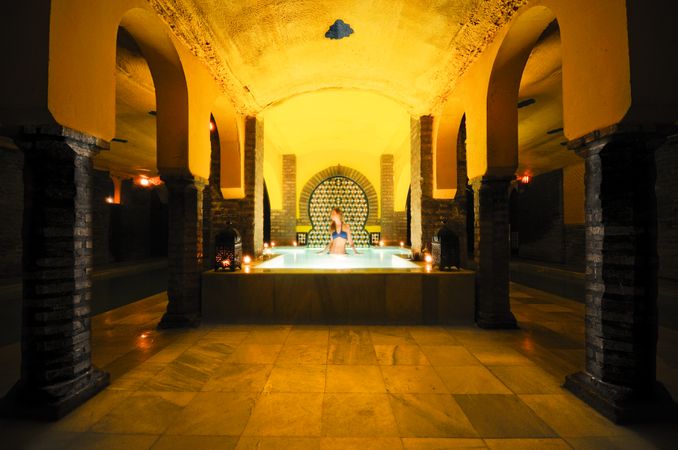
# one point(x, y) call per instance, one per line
point(445, 248)
point(228, 250)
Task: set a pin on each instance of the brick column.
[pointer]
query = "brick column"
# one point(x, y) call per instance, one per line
point(492, 252)
point(387, 203)
point(434, 211)
point(621, 277)
point(239, 213)
point(57, 373)
point(284, 221)
point(184, 252)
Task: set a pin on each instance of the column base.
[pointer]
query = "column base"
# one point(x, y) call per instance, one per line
point(23, 402)
point(504, 322)
point(620, 404)
point(174, 320)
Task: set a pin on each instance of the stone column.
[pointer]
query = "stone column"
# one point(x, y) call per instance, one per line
point(387, 204)
point(184, 251)
point(492, 252)
point(621, 276)
point(57, 373)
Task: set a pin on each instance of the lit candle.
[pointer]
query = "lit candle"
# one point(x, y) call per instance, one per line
point(381, 243)
point(402, 244)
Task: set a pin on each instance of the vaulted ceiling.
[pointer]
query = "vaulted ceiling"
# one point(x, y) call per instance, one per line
point(266, 52)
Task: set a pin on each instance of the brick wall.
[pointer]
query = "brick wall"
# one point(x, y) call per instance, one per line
point(284, 221)
point(667, 208)
point(11, 205)
point(386, 213)
point(101, 218)
point(537, 217)
point(239, 212)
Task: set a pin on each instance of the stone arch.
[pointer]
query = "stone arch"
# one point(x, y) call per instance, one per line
point(171, 90)
point(337, 171)
point(504, 86)
point(230, 129)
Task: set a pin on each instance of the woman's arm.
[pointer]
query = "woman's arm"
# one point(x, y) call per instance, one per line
point(350, 239)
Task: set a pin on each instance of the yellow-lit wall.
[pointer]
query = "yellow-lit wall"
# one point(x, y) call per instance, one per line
point(352, 128)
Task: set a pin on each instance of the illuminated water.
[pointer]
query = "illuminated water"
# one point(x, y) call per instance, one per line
point(369, 258)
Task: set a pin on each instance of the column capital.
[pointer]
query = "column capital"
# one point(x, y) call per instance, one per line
point(642, 136)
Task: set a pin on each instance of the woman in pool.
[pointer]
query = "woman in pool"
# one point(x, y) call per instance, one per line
point(340, 234)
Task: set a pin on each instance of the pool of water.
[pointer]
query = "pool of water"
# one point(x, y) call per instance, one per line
point(368, 258)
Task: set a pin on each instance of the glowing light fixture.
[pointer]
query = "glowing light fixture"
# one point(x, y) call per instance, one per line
point(402, 244)
point(211, 126)
point(381, 243)
point(247, 259)
point(525, 179)
point(143, 181)
point(294, 243)
point(428, 258)
point(109, 200)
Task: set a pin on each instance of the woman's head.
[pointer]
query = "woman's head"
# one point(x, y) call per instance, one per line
point(336, 216)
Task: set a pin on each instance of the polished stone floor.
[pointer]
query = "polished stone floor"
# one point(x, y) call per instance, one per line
point(340, 387)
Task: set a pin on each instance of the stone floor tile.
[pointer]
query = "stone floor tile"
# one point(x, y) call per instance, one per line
point(102, 441)
point(400, 354)
point(351, 354)
point(286, 414)
point(471, 380)
point(353, 335)
point(528, 379)
point(504, 357)
point(308, 335)
point(425, 335)
point(277, 443)
point(296, 378)
point(174, 442)
point(527, 444)
point(570, 417)
point(144, 412)
point(254, 354)
point(239, 378)
point(442, 443)
point(412, 379)
point(303, 354)
point(430, 415)
point(353, 378)
point(214, 414)
point(357, 415)
point(449, 355)
point(91, 411)
point(268, 335)
point(391, 335)
point(502, 416)
point(360, 443)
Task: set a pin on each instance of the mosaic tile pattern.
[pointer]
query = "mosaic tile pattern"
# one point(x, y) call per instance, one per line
point(350, 197)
